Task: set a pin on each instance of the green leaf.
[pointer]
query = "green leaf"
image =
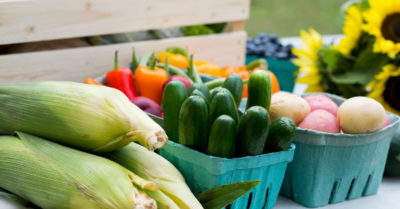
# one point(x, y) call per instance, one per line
point(351, 90)
point(220, 197)
point(398, 157)
point(335, 61)
point(366, 65)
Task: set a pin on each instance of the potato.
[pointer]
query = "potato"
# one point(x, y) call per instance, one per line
point(288, 105)
point(360, 115)
point(321, 120)
point(322, 102)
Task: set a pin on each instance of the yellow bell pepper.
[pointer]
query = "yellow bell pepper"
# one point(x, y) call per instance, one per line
point(207, 68)
point(176, 60)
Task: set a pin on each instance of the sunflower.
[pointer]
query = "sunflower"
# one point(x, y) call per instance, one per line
point(352, 30)
point(385, 88)
point(307, 58)
point(383, 22)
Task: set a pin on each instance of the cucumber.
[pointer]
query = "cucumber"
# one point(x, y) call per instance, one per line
point(281, 134)
point(223, 103)
point(253, 131)
point(213, 92)
point(259, 90)
point(174, 95)
point(235, 85)
point(201, 87)
point(196, 92)
point(221, 140)
point(193, 123)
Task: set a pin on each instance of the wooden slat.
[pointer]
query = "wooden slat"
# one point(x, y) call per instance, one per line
point(37, 20)
point(78, 63)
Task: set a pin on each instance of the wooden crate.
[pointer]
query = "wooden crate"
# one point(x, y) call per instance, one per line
point(23, 21)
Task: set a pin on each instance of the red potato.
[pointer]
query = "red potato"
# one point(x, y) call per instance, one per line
point(322, 102)
point(321, 120)
point(387, 121)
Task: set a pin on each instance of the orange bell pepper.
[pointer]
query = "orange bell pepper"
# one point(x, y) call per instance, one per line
point(92, 81)
point(177, 60)
point(227, 70)
point(150, 80)
point(207, 68)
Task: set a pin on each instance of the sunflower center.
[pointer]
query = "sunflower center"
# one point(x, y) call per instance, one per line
point(391, 27)
point(392, 92)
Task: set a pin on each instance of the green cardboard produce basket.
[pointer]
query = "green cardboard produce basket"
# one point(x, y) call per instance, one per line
point(282, 68)
point(393, 162)
point(203, 172)
point(331, 168)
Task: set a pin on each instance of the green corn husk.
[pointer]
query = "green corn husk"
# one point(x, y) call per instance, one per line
point(89, 117)
point(54, 176)
point(153, 167)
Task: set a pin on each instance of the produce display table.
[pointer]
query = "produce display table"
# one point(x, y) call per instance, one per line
point(387, 198)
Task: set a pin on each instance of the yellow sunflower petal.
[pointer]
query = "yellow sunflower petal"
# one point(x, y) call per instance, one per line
point(379, 10)
point(352, 30)
point(378, 85)
point(306, 59)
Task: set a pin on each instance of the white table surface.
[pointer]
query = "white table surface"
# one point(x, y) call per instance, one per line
point(388, 197)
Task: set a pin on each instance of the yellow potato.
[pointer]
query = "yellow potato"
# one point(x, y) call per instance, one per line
point(288, 105)
point(360, 115)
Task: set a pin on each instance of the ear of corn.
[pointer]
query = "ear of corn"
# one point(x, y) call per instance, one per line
point(153, 167)
point(162, 200)
point(90, 117)
point(53, 176)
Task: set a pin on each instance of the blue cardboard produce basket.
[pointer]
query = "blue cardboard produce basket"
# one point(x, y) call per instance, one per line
point(331, 168)
point(203, 172)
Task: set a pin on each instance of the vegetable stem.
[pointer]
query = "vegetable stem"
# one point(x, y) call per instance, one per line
point(193, 72)
point(135, 60)
point(261, 63)
point(116, 65)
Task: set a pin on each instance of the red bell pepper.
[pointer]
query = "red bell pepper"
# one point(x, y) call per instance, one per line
point(121, 78)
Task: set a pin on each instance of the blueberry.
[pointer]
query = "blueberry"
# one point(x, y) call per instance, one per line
point(271, 46)
point(281, 55)
point(259, 50)
point(273, 38)
point(279, 46)
point(268, 54)
point(262, 35)
point(258, 41)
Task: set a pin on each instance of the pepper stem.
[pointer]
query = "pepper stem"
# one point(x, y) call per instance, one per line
point(135, 60)
point(167, 66)
point(116, 65)
point(145, 58)
point(153, 62)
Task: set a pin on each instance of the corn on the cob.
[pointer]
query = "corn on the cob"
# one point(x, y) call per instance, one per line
point(89, 117)
point(54, 176)
point(153, 167)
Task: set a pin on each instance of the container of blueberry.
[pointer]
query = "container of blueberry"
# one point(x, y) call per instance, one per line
point(278, 55)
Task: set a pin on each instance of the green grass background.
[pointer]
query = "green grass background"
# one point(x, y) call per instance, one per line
point(288, 17)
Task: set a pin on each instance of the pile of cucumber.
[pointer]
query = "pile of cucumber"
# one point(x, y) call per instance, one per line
point(209, 120)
